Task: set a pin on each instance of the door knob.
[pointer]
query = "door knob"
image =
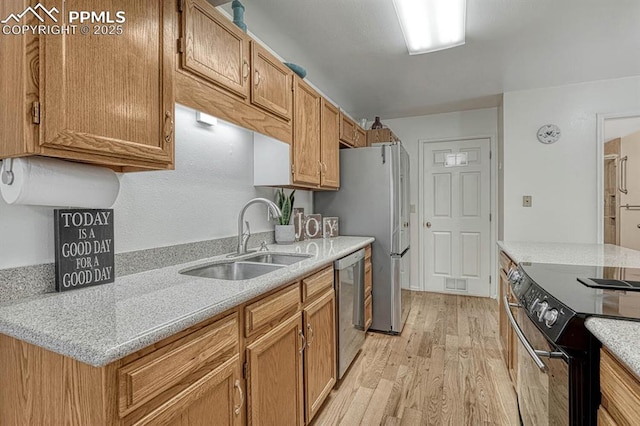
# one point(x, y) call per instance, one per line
point(427, 224)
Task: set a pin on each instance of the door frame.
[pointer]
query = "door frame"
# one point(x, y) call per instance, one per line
point(600, 119)
point(493, 191)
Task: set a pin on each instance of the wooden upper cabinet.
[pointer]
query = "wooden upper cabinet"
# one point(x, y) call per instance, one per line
point(360, 138)
point(213, 47)
point(306, 134)
point(347, 130)
point(271, 82)
point(105, 99)
point(330, 149)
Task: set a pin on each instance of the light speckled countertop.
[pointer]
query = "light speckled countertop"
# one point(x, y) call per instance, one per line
point(572, 254)
point(98, 325)
point(621, 337)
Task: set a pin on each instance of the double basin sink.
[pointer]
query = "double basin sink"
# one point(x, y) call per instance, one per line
point(246, 268)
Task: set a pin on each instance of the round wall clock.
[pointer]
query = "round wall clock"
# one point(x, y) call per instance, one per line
point(549, 133)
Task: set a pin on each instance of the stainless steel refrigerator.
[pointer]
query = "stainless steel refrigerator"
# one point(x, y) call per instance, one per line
point(373, 200)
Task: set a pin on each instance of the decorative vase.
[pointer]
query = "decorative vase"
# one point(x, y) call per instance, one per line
point(238, 15)
point(285, 234)
point(302, 73)
point(376, 124)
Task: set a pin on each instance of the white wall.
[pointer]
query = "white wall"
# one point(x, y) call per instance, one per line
point(561, 177)
point(199, 200)
point(481, 122)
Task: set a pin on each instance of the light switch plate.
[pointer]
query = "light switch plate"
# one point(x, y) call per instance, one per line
point(526, 201)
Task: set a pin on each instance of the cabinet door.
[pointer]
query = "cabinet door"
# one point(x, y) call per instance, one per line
point(347, 130)
point(361, 137)
point(214, 48)
point(275, 378)
point(217, 396)
point(111, 95)
point(320, 355)
point(271, 82)
point(329, 142)
point(306, 134)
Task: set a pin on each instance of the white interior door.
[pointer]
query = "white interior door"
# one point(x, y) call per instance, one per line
point(456, 207)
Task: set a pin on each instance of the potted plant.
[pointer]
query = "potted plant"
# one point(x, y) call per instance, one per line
point(285, 232)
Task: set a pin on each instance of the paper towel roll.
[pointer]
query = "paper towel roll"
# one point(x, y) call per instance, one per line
point(45, 181)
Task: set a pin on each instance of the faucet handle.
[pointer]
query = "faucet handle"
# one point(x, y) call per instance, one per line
point(248, 228)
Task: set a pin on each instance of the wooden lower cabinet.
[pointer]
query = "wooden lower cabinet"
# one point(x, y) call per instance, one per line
point(620, 390)
point(368, 286)
point(277, 369)
point(275, 376)
point(218, 396)
point(320, 354)
point(508, 339)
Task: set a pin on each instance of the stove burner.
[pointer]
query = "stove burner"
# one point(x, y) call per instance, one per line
point(611, 284)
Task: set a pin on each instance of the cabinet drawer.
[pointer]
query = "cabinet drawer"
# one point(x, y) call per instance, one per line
point(505, 262)
point(178, 364)
point(317, 283)
point(271, 310)
point(620, 390)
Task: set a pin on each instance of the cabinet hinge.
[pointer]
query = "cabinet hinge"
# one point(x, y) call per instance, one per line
point(245, 370)
point(35, 112)
point(490, 154)
point(180, 5)
point(490, 217)
point(292, 169)
point(489, 279)
point(181, 45)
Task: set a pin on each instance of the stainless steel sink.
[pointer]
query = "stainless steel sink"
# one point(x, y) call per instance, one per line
point(277, 258)
point(232, 270)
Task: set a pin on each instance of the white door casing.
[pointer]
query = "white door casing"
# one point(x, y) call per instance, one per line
point(456, 206)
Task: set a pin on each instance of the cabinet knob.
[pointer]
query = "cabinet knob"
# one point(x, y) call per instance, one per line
point(427, 224)
point(168, 127)
point(245, 69)
point(311, 335)
point(238, 407)
point(304, 342)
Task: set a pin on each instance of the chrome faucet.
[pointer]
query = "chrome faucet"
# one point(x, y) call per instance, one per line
point(243, 236)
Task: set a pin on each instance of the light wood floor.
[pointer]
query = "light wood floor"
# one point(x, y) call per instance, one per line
point(444, 369)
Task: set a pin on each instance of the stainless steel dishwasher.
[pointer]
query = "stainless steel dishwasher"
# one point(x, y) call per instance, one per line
point(349, 284)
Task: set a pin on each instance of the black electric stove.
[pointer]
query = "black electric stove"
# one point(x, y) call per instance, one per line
point(553, 302)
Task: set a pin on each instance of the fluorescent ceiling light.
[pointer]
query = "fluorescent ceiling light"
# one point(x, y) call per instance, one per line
point(431, 25)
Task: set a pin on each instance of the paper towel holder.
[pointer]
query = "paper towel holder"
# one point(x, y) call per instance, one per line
point(7, 173)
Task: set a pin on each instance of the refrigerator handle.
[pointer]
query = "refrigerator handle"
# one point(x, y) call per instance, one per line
point(384, 154)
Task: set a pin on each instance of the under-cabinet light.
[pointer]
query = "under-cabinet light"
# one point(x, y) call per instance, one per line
point(431, 25)
point(207, 119)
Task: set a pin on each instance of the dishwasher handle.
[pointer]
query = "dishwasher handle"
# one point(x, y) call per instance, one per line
point(350, 260)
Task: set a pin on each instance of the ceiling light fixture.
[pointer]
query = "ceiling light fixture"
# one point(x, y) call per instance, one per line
point(431, 25)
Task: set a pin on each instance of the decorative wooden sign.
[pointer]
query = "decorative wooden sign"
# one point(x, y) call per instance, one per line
point(329, 227)
point(298, 222)
point(84, 248)
point(313, 226)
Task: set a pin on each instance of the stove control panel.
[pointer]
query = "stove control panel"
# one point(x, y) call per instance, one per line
point(549, 314)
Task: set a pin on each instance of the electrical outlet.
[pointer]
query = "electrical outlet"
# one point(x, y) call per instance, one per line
point(526, 201)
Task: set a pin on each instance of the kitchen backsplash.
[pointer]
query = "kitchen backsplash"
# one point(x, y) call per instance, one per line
point(25, 281)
